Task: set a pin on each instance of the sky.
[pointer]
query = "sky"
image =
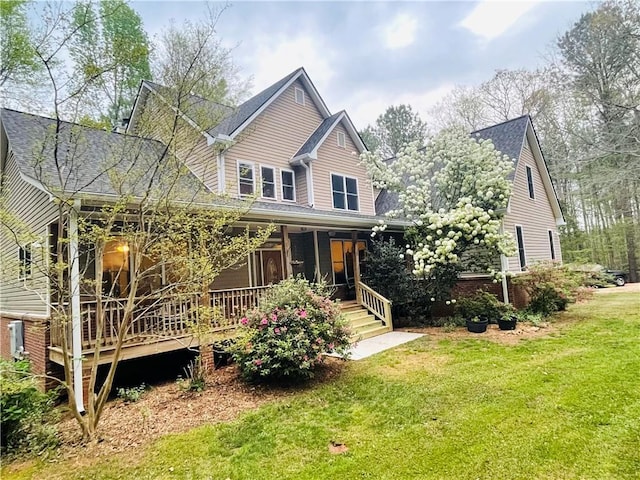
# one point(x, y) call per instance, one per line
point(364, 56)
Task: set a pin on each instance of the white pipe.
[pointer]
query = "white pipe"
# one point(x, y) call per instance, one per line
point(504, 266)
point(76, 321)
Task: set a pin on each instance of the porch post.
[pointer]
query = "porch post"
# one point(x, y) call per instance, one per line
point(286, 245)
point(356, 265)
point(76, 321)
point(316, 253)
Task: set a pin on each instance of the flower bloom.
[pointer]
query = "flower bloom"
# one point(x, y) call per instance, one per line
point(276, 331)
point(264, 321)
point(244, 321)
point(257, 362)
point(303, 314)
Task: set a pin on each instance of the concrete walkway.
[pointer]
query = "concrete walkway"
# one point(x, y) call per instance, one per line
point(371, 346)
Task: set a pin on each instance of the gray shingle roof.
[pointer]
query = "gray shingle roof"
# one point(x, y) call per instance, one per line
point(507, 137)
point(90, 160)
point(314, 139)
point(240, 115)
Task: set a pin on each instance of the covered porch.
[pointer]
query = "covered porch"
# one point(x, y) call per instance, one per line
point(163, 323)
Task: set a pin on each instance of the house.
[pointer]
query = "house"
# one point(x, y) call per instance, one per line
point(533, 213)
point(282, 146)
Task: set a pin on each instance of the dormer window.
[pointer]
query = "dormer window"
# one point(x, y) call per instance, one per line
point(299, 93)
point(342, 141)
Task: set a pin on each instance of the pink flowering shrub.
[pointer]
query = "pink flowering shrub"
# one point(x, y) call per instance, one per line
point(286, 336)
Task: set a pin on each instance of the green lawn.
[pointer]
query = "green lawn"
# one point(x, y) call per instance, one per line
point(564, 406)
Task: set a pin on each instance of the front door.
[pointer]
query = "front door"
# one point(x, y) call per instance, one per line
point(271, 266)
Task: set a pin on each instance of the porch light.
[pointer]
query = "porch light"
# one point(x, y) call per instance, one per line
point(122, 248)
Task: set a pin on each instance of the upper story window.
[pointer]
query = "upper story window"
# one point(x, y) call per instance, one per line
point(24, 257)
point(268, 175)
point(345, 192)
point(288, 185)
point(245, 178)
point(342, 141)
point(521, 253)
point(530, 183)
point(299, 93)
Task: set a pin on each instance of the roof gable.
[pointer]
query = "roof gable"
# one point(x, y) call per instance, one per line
point(316, 139)
point(507, 137)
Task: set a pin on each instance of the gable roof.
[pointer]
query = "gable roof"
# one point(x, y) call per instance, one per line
point(508, 137)
point(88, 158)
point(309, 149)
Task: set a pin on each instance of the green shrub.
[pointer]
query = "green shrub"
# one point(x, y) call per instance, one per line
point(132, 394)
point(551, 287)
point(25, 411)
point(286, 336)
point(387, 272)
point(482, 304)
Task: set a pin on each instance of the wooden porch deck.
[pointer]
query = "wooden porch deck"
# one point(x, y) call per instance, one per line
point(165, 324)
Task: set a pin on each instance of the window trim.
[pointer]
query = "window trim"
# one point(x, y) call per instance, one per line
point(275, 182)
point(293, 184)
point(253, 177)
point(552, 245)
point(344, 183)
point(295, 95)
point(530, 184)
point(342, 136)
point(25, 262)
point(522, 252)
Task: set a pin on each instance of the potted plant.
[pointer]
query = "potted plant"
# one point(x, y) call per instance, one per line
point(507, 321)
point(477, 324)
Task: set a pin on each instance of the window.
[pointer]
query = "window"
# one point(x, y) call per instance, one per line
point(520, 240)
point(345, 192)
point(268, 182)
point(288, 185)
point(530, 183)
point(299, 93)
point(24, 256)
point(342, 142)
point(245, 178)
point(551, 246)
point(342, 259)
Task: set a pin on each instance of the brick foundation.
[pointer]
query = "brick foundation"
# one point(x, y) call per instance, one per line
point(206, 356)
point(36, 341)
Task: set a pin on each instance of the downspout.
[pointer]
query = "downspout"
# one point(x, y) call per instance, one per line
point(76, 321)
point(310, 195)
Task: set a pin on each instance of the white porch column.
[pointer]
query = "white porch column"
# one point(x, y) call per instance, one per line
point(286, 246)
point(76, 320)
point(316, 253)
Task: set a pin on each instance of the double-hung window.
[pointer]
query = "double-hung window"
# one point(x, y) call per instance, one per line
point(288, 185)
point(532, 193)
point(345, 192)
point(268, 175)
point(521, 252)
point(245, 178)
point(24, 257)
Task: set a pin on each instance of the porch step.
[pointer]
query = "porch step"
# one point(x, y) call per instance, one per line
point(363, 324)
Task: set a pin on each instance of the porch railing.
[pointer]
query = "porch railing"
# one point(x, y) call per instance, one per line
point(378, 305)
point(155, 319)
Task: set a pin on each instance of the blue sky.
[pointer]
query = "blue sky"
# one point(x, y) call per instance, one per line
point(364, 56)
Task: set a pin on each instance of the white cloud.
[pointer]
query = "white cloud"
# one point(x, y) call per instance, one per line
point(276, 57)
point(490, 19)
point(401, 32)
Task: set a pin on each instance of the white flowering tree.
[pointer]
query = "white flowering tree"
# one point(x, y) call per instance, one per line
point(455, 191)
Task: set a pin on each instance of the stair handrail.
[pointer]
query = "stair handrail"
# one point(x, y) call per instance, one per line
point(375, 303)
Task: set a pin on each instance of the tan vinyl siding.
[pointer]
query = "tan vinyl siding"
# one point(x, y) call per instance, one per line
point(341, 161)
point(235, 277)
point(202, 160)
point(534, 215)
point(302, 194)
point(32, 208)
point(273, 138)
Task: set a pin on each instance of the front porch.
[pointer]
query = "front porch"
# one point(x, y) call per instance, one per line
point(164, 324)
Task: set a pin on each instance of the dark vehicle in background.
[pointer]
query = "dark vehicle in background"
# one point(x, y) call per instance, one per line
point(617, 276)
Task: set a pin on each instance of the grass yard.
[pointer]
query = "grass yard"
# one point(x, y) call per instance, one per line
point(562, 406)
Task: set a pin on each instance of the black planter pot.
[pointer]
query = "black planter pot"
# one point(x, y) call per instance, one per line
point(477, 327)
point(509, 324)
